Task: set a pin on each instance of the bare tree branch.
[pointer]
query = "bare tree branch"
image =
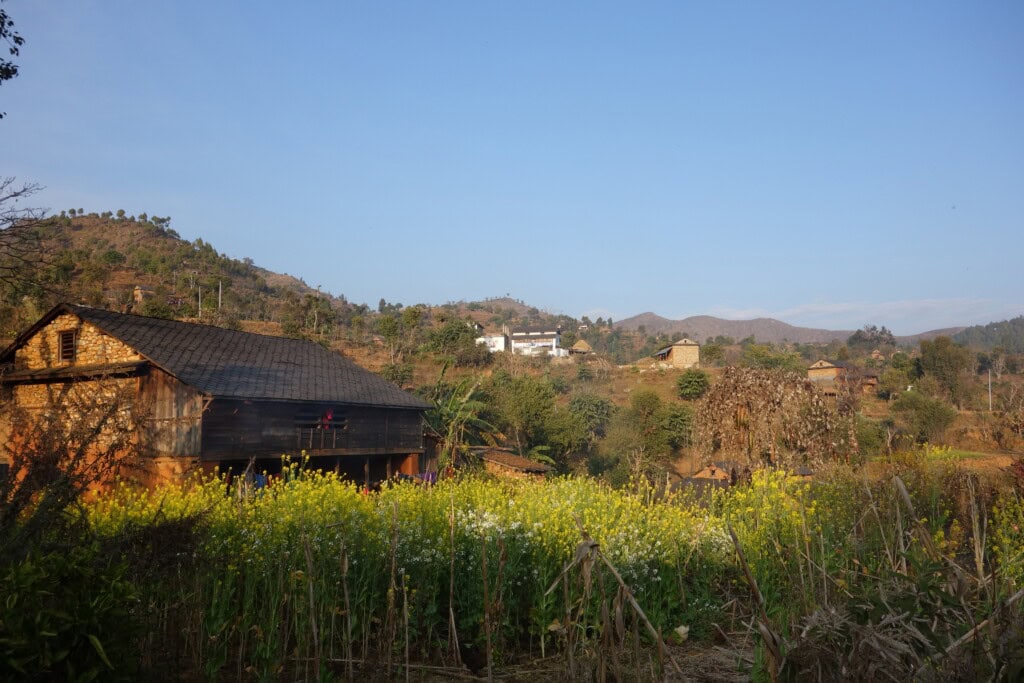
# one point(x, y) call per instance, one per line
point(20, 242)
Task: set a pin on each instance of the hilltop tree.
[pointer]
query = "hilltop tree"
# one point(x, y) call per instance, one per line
point(390, 328)
point(870, 337)
point(456, 340)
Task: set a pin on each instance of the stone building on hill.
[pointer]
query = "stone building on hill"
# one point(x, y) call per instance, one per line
point(681, 354)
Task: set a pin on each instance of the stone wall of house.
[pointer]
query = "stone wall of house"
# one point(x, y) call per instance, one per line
point(823, 373)
point(92, 346)
point(76, 395)
point(685, 356)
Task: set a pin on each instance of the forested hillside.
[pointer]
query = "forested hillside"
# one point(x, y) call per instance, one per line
point(141, 264)
point(1007, 335)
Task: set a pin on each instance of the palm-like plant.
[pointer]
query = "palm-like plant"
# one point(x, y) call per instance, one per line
point(455, 419)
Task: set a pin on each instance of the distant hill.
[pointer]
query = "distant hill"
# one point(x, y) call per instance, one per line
point(930, 334)
point(700, 327)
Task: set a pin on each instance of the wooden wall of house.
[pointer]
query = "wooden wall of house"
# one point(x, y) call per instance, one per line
point(241, 429)
point(174, 414)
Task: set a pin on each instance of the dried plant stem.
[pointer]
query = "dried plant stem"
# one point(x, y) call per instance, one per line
point(973, 633)
point(405, 620)
point(570, 639)
point(640, 613)
point(487, 608)
point(392, 620)
point(771, 640)
point(453, 634)
point(312, 601)
point(350, 674)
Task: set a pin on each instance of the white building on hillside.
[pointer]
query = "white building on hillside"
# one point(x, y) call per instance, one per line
point(538, 341)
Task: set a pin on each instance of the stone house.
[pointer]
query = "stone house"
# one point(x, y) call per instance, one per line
point(213, 397)
point(681, 354)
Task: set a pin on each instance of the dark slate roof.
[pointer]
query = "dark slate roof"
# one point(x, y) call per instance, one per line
point(242, 365)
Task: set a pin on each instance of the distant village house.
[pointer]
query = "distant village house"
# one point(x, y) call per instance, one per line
point(833, 376)
point(538, 341)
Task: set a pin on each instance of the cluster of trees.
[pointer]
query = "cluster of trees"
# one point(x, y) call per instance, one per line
point(540, 418)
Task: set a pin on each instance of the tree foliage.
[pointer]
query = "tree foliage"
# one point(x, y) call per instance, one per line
point(949, 364)
point(593, 413)
point(19, 238)
point(521, 406)
point(871, 337)
point(456, 341)
point(769, 357)
point(14, 41)
point(643, 437)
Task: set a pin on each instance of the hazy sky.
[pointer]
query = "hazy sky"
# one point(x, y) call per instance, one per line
point(828, 164)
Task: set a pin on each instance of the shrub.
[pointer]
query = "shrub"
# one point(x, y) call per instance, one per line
point(692, 384)
point(926, 418)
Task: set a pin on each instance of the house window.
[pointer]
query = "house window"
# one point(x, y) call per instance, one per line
point(66, 352)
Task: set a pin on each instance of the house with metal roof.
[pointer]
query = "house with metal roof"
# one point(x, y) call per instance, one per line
point(219, 397)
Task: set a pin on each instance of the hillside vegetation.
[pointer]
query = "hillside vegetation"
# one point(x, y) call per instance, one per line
point(1007, 335)
point(100, 259)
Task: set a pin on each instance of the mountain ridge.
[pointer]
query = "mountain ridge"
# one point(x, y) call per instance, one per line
point(700, 327)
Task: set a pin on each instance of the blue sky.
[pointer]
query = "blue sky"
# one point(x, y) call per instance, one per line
point(828, 164)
